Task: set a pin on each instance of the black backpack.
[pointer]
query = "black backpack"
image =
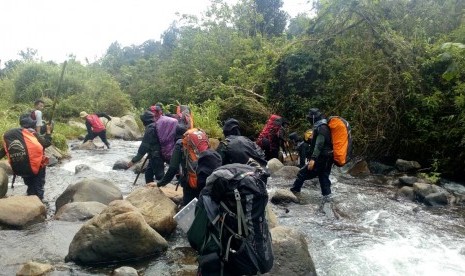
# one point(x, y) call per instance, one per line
point(235, 197)
point(239, 149)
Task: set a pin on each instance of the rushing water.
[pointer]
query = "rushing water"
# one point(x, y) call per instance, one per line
point(375, 235)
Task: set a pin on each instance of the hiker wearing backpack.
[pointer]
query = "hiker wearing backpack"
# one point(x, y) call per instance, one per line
point(25, 150)
point(321, 158)
point(95, 127)
point(236, 148)
point(189, 145)
point(184, 116)
point(230, 230)
point(272, 137)
point(150, 145)
point(302, 146)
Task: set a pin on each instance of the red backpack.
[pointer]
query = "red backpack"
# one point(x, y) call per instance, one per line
point(194, 142)
point(96, 123)
point(271, 128)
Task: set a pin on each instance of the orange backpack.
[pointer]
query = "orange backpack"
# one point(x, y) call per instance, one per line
point(194, 142)
point(341, 139)
point(25, 153)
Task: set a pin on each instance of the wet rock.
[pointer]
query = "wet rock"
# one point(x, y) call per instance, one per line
point(125, 271)
point(6, 166)
point(21, 211)
point(3, 182)
point(170, 191)
point(80, 168)
point(79, 211)
point(157, 209)
point(52, 161)
point(34, 269)
point(291, 256)
point(89, 189)
point(120, 165)
point(54, 152)
point(359, 169)
point(421, 190)
point(379, 168)
point(287, 172)
point(118, 233)
point(274, 165)
point(407, 166)
point(138, 168)
point(435, 199)
point(408, 180)
point(283, 196)
point(406, 192)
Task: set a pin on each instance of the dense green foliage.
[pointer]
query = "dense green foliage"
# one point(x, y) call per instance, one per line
point(395, 69)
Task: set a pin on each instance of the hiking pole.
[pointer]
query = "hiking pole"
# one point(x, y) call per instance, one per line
point(180, 173)
point(287, 151)
point(56, 93)
point(137, 177)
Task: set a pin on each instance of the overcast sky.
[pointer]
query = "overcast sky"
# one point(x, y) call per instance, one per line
point(85, 28)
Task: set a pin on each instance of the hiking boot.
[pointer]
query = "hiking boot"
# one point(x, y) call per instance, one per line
point(294, 190)
point(327, 199)
point(108, 146)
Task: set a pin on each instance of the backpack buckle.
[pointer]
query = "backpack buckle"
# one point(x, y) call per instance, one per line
point(237, 196)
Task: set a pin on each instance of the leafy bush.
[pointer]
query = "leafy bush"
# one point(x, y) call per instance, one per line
point(251, 114)
point(59, 141)
point(206, 117)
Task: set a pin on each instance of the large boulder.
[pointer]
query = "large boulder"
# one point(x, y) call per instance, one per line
point(170, 191)
point(124, 128)
point(157, 209)
point(4, 164)
point(118, 233)
point(89, 189)
point(406, 192)
point(21, 211)
point(421, 190)
point(359, 169)
point(284, 196)
point(78, 211)
point(3, 182)
point(437, 199)
point(287, 172)
point(274, 165)
point(53, 151)
point(291, 256)
point(407, 166)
